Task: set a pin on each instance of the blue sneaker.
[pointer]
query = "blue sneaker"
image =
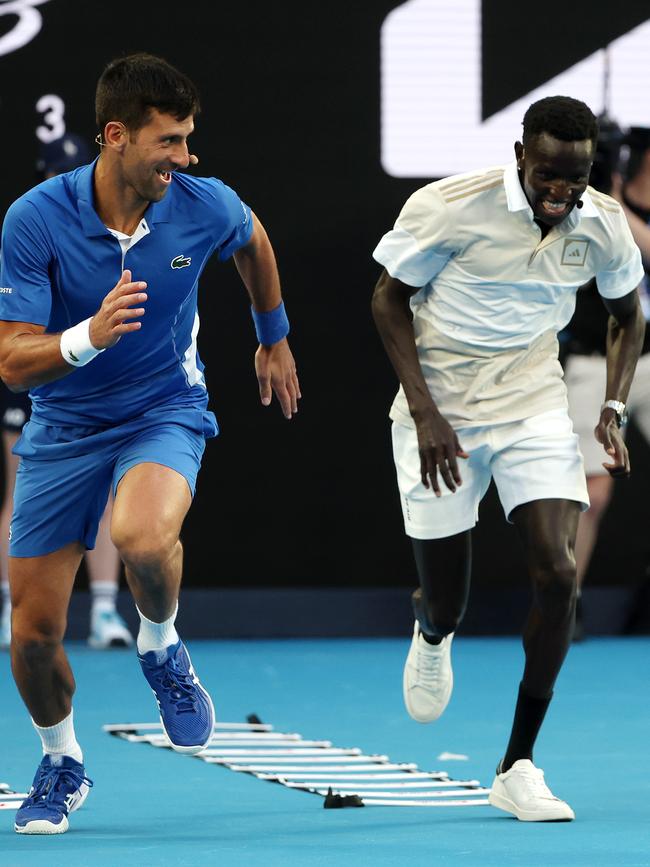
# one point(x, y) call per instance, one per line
point(186, 709)
point(58, 789)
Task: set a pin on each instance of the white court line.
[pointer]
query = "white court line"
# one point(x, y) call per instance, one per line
point(350, 788)
point(12, 802)
point(157, 741)
point(256, 736)
point(483, 802)
point(259, 738)
point(351, 762)
point(235, 737)
point(316, 766)
point(281, 770)
point(449, 793)
point(412, 781)
point(154, 740)
point(271, 745)
point(162, 740)
point(219, 726)
point(296, 751)
point(350, 776)
point(299, 760)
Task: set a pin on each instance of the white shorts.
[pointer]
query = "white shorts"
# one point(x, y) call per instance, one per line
point(585, 377)
point(534, 459)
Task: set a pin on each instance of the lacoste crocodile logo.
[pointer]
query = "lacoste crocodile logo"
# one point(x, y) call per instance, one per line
point(72, 356)
point(181, 261)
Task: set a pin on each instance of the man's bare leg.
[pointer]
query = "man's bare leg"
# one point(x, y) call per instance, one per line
point(9, 439)
point(548, 530)
point(40, 594)
point(41, 588)
point(150, 505)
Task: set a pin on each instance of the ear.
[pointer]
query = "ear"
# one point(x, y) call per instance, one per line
point(115, 134)
point(519, 151)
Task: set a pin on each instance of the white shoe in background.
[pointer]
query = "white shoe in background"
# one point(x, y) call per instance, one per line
point(107, 629)
point(5, 627)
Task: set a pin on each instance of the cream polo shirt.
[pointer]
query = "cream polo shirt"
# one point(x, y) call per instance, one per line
point(494, 294)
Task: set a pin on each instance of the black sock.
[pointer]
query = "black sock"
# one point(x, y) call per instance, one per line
point(431, 639)
point(529, 716)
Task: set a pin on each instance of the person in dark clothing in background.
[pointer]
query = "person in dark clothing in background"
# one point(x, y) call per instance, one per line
point(586, 335)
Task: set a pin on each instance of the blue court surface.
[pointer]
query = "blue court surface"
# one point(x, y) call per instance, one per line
point(152, 807)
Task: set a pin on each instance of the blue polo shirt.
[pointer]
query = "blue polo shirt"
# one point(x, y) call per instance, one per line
point(58, 262)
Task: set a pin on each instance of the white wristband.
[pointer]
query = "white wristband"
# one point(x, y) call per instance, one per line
point(76, 347)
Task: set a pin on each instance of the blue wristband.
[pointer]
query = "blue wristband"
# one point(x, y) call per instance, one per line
point(271, 326)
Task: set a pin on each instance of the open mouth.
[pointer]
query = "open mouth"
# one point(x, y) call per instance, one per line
point(554, 209)
point(165, 176)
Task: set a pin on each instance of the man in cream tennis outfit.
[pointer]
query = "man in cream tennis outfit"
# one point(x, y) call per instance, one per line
point(481, 272)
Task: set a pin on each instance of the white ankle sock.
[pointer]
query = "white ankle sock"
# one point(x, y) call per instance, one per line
point(103, 595)
point(156, 636)
point(60, 739)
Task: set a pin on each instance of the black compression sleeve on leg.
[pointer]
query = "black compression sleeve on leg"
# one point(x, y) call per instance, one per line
point(444, 567)
point(529, 716)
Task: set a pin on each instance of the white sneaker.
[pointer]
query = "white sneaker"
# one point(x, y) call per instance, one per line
point(428, 678)
point(108, 630)
point(5, 627)
point(523, 792)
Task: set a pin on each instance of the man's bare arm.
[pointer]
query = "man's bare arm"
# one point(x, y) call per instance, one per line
point(625, 334)
point(29, 357)
point(438, 444)
point(274, 364)
point(258, 269)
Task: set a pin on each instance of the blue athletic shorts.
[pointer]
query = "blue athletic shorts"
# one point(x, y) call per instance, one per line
point(65, 473)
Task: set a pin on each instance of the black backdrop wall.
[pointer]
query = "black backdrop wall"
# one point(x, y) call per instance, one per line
point(291, 120)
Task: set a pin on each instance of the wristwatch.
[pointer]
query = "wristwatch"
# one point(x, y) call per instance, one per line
point(619, 408)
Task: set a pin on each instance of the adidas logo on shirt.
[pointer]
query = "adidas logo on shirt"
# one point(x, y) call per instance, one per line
point(574, 252)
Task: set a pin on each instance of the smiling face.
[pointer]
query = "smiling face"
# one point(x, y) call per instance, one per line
point(150, 155)
point(554, 174)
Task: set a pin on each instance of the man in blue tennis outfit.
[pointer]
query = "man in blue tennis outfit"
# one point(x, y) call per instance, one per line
point(98, 318)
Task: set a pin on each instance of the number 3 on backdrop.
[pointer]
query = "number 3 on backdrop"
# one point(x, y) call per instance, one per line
point(52, 108)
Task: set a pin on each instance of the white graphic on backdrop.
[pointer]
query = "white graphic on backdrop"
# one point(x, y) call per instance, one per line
point(52, 107)
point(28, 23)
point(431, 90)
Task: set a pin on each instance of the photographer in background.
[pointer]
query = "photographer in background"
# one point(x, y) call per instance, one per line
point(585, 336)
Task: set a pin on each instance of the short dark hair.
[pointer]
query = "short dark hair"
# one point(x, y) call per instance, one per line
point(562, 117)
point(131, 86)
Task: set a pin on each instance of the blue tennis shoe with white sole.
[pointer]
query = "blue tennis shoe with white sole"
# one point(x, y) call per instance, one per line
point(60, 787)
point(186, 709)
